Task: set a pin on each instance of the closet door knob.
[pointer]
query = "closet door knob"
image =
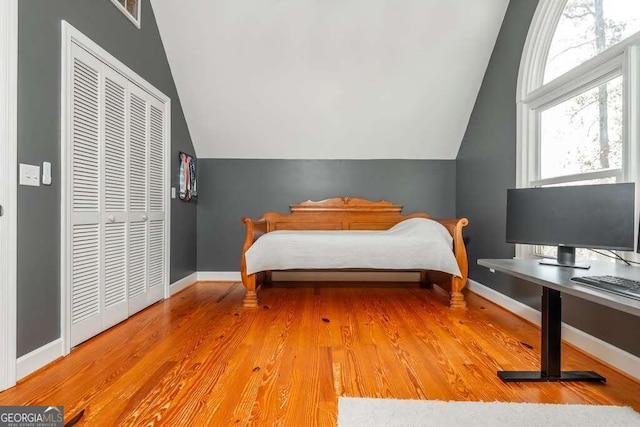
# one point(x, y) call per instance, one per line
point(111, 218)
point(144, 217)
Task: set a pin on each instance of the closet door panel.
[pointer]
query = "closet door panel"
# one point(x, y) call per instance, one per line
point(86, 319)
point(138, 136)
point(115, 274)
point(138, 120)
point(157, 197)
point(114, 210)
point(85, 187)
point(156, 261)
point(156, 162)
point(115, 151)
point(137, 294)
point(85, 137)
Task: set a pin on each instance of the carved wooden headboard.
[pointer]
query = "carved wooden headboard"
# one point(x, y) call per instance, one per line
point(340, 213)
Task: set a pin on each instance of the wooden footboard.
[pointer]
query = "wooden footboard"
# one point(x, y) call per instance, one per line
point(351, 214)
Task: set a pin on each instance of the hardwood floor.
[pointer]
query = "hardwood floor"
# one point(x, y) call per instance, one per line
point(200, 359)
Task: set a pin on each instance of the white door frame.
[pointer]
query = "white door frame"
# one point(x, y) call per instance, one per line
point(8, 190)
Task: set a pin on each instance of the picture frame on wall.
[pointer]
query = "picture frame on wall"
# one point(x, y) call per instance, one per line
point(130, 9)
point(188, 189)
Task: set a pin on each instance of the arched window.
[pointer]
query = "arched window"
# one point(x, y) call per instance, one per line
point(579, 95)
point(585, 29)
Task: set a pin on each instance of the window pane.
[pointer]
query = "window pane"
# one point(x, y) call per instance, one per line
point(132, 8)
point(610, 180)
point(582, 254)
point(584, 133)
point(586, 28)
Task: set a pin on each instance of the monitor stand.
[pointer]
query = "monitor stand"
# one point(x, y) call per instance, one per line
point(566, 258)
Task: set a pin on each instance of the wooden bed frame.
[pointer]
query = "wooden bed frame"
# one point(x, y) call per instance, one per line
point(349, 213)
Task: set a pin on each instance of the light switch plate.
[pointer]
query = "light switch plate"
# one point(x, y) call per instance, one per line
point(173, 192)
point(29, 175)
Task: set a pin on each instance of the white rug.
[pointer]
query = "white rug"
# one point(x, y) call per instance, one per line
point(357, 412)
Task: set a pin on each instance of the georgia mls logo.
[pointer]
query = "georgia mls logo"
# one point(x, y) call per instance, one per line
point(31, 416)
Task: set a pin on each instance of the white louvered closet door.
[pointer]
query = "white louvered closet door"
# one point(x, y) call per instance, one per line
point(85, 188)
point(138, 199)
point(115, 196)
point(157, 210)
point(114, 209)
point(146, 241)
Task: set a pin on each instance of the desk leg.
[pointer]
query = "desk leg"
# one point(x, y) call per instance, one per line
point(551, 353)
point(550, 344)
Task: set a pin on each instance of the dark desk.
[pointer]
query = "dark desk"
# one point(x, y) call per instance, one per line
point(554, 282)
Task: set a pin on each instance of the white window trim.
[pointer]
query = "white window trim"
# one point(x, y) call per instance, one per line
point(569, 85)
point(576, 177)
point(134, 21)
point(70, 36)
point(8, 191)
point(621, 59)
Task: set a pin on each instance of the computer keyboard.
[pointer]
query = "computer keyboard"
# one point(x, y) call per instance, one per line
point(617, 285)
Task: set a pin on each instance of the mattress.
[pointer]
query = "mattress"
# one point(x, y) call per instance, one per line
point(413, 244)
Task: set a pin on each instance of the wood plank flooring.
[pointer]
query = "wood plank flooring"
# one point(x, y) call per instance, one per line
point(200, 359)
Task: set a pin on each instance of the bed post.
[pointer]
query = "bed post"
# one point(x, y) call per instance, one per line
point(456, 300)
point(249, 281)
point(457, 283)
point(255, 229)
point(250, 299)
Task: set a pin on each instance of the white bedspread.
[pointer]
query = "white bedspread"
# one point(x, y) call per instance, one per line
point(414, 244)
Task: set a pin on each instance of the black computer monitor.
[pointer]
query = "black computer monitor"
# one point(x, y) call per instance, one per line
point(587, 216)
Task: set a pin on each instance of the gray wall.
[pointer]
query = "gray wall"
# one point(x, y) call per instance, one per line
point(231, 189)
point(39, 140)
point(486, 168)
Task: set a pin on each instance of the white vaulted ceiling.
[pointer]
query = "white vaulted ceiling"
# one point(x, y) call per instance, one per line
point(328, 79)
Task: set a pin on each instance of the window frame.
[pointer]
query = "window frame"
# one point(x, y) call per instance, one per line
point(533, 96)
point(135, 20)
point(8, 193)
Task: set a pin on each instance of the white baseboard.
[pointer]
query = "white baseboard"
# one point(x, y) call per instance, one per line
point(46, 354)
point(614, 356)
point(38, 358)
point(350, 276)
point(514, 306)
point(183, 283)
point(219, 276)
